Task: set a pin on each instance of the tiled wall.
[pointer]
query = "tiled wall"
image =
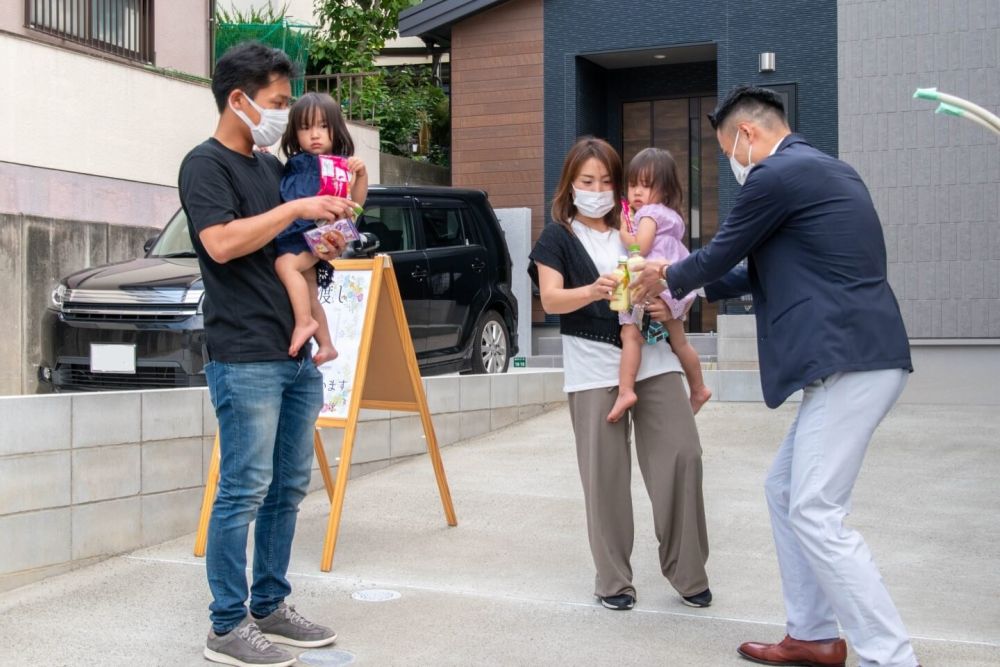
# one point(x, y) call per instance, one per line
point(935, 179)
point(85, 476)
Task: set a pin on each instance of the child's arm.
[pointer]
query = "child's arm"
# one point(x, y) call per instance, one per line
point(359, 182)
point(645, 235)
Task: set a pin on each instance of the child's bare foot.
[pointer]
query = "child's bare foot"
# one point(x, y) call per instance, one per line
point(301, 335)
point(324, 354)
point(626, 399)
point(699, 397)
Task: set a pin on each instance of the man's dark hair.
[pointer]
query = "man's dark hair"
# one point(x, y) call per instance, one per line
point(760, 103)
point(248, 66)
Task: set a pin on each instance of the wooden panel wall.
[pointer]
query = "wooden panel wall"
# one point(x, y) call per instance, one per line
point(496, 107)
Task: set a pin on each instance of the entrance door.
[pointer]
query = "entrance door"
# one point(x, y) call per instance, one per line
point(680, 126)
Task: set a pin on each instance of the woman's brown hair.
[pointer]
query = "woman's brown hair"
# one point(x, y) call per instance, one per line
point(655, 168)
point(563, 210)
point(301, 116)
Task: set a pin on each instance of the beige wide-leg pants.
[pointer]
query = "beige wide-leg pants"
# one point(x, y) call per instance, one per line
point(669, 455)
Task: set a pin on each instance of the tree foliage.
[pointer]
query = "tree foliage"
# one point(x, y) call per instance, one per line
point(409, 107)
point(352, 32)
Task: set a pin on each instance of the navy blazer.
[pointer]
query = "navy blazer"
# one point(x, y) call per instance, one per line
point(816, 269)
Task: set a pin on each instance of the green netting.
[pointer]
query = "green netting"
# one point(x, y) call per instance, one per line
point(292, 38)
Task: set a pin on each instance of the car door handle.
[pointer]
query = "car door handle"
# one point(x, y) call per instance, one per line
point(419, 274)
point(478, 265)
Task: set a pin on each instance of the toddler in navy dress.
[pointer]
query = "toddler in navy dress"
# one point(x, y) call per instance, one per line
point(316, 127)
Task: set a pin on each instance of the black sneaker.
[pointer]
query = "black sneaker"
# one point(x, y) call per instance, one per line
point(703, 599)
point(622, 602)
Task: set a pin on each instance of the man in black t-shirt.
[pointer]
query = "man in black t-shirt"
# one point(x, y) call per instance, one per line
point(266, 402)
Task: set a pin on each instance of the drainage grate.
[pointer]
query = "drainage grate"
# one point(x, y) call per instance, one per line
point(375, 595)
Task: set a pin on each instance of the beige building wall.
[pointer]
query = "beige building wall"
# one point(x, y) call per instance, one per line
point(182, 36)
point(80, 114)
point(180, 39)
point(93, 116)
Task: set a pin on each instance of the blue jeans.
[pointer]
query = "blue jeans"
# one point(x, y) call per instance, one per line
point(266, 412)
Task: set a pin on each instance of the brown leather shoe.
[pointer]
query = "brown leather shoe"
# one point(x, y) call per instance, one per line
point(796, 652)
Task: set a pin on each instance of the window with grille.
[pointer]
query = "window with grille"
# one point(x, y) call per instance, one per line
point(120, 27)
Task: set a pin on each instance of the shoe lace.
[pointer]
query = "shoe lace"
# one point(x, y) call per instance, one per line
point(253, 636)
point(296, 618)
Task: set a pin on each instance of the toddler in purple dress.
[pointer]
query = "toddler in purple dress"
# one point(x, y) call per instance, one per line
point(654, 194)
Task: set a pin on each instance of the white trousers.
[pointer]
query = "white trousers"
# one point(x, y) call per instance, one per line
point(827, 571)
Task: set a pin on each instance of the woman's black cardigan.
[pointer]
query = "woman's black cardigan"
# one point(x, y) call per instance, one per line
point(558, 248)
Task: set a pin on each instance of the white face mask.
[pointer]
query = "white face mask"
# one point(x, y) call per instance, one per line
point(739, 171)
point(272, 123)
point(593, 204)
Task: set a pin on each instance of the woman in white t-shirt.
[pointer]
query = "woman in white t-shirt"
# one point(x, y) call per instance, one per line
point(572, 263)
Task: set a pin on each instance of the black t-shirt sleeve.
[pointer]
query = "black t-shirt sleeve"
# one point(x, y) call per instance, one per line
point(207, 192)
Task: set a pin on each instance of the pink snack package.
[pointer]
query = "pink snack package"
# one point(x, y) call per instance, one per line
point(315, 237)
point(334, 177)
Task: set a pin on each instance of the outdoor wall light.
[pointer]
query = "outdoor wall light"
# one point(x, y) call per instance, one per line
point(766, 63)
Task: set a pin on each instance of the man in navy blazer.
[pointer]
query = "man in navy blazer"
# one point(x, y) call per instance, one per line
point(827, 323)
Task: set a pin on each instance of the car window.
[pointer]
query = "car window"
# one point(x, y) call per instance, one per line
point(445, 227)
point(392, 225)
point(175, 239)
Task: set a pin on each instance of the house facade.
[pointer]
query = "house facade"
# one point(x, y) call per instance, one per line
point(107, 98)
point(530, 76)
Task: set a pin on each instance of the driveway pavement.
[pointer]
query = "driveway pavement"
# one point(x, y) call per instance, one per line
point(511, 585)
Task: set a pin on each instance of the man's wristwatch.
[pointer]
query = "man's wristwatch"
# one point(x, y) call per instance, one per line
point(663, 275)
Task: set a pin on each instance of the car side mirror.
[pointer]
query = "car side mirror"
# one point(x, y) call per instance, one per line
point(149, 244)
point(365, 246)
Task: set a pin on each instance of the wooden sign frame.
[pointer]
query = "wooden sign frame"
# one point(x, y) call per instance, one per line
point(385, 355)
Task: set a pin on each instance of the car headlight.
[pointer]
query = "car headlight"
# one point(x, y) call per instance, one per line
point(58, 296)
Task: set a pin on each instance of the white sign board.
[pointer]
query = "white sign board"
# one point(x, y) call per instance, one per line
point(345, 302)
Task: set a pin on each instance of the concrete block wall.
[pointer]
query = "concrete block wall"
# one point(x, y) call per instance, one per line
point(34, 254)
point(86, 476)
point(398, 170)
point(737, 342)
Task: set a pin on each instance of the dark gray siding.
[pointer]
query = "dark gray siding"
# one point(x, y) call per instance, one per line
point(803, 34)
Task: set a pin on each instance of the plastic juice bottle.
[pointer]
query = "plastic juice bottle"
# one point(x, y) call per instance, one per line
point(620, 298)
point(635, 261)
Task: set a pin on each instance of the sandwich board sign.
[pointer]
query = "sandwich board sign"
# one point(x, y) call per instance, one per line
point(376, 368)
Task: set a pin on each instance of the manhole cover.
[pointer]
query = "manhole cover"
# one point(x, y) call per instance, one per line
point(329, 657)
point(375, 595)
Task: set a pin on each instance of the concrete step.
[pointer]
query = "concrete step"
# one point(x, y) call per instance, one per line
point(738, 349)
point(544, 361)
point(738, 365)
point(548, 345)
point(737, 326)
point(706, 344)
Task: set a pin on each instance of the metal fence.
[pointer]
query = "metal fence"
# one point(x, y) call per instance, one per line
point(346, 89)
point(119, 27)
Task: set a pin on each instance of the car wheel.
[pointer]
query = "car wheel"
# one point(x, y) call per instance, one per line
point(491, 346)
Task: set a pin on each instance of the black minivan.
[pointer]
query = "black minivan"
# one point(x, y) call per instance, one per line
point(138, 324)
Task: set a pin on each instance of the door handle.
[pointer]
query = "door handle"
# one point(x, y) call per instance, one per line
point(419, 274)
point(478, 265)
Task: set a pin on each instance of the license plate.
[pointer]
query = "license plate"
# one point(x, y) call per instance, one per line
point(112, 358)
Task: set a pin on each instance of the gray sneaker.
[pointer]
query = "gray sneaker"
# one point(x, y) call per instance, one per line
point(245, 646)
point(287, 626)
